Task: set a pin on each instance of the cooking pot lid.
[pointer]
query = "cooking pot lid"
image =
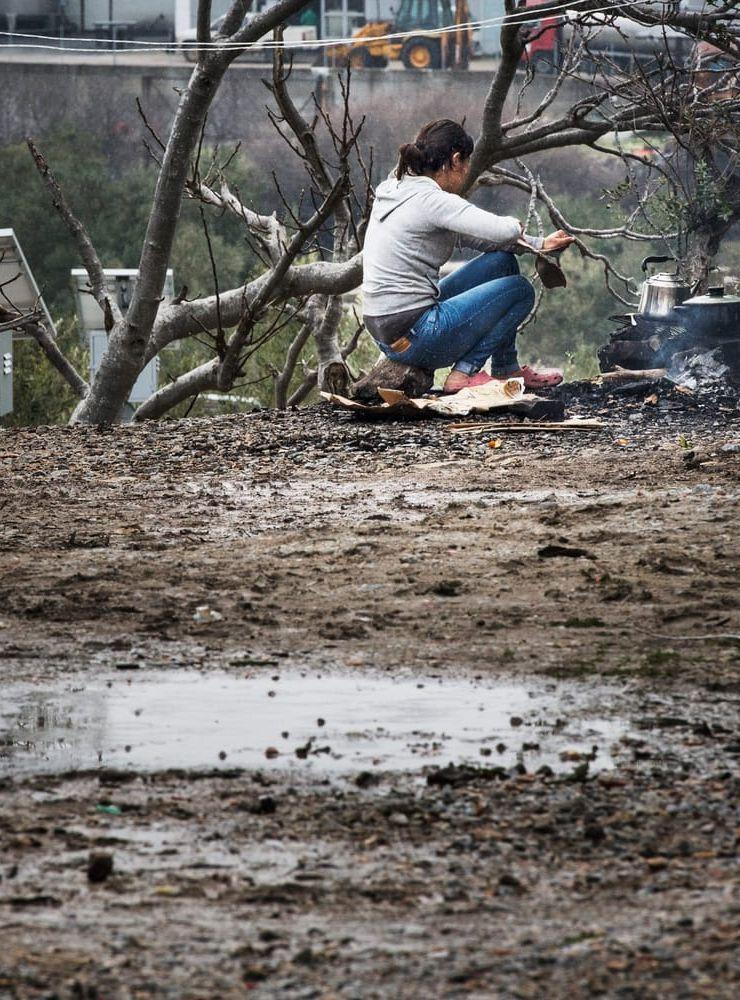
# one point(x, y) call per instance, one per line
point(714, 297)
point(665, 280)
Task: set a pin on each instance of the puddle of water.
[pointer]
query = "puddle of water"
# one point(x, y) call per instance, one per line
point(338, 724)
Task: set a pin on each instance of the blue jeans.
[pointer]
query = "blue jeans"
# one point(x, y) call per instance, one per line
point(481, 305)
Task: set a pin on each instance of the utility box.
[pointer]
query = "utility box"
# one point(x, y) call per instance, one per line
point(147, 381)
point(121, 283)
point(6, 373)
point(21, 296)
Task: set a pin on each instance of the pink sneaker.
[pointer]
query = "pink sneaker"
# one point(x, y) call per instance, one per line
point(545, 379)
point(462, 381)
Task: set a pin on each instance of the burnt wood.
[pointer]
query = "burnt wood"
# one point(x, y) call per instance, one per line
point(385, 374)
point(537, 408)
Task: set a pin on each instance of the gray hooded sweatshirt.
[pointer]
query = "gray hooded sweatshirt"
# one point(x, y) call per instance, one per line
point(414, 228)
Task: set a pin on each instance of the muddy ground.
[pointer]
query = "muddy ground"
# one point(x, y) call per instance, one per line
point(606, 557)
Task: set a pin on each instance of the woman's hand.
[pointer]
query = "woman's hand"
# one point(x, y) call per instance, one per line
point(557, 241)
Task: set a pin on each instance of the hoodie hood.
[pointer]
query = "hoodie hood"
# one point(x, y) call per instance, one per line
point(391, 193)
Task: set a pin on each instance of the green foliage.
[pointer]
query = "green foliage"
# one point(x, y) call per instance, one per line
point(114, 210)
point(708, 201)
point(256, 386)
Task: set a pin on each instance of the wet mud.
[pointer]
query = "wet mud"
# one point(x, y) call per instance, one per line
point(581, 589)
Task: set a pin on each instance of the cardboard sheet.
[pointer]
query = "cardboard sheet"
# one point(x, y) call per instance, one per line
point(481, 399)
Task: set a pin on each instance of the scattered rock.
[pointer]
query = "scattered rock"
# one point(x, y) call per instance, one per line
point(99, 867)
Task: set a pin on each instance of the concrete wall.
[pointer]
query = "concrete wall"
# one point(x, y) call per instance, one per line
point(26, 6)
point(37, 97)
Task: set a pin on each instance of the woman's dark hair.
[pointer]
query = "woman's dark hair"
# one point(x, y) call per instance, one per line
point(433, 148)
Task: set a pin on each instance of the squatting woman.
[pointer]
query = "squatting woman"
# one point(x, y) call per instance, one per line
point(417, 220)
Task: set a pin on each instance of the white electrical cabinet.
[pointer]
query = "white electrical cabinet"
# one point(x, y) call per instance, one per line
point(147, 381)
point(6, 373)
point(121, 283)
point(20, 295)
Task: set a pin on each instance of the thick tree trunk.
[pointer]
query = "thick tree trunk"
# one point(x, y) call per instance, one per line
point(703, 247)
point(123, 360)
point(716, 220)
point(332, 374)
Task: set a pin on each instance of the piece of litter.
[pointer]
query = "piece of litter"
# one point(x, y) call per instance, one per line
point(495, 443)
point(622, 441)
point(205, 614)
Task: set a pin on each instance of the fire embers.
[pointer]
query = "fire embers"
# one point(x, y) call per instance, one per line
point(643, 343)
point(700, 392)
point(704, 327)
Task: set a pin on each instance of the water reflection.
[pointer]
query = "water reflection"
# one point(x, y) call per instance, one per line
point(320, 723)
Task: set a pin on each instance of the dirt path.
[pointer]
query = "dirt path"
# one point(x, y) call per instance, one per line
point(320, 542)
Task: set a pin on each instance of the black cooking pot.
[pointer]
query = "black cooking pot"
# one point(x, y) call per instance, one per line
point(713, 316)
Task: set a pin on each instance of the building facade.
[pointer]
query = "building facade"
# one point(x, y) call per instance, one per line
point(173, 18)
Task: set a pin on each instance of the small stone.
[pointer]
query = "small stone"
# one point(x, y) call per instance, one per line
point(594, 832)
point(99, 867)
point(304, 957)
point(365, 779)
point(265, 805)
point(271, 753)
point(204, 614)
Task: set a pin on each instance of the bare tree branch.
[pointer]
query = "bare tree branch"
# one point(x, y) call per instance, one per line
point(62, 364)
point(203, 27)
point(180, 320)
point(284, 376)
point(79, 234)
point(197, 380)
point(230, 363)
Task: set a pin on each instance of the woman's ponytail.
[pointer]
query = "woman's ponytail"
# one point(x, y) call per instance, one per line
point(433, 148)
point(410, 160)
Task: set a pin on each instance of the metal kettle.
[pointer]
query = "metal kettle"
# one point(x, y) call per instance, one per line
point(661, 292)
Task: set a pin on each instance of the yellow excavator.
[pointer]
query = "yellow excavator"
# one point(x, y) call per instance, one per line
point(423, 45)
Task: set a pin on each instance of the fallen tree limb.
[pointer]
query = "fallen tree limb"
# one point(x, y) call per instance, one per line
point(627, 375)
point(565, 425)
point(712, 636)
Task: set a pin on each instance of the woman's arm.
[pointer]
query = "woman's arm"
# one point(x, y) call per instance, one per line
point(485, 246)
point(453, 213)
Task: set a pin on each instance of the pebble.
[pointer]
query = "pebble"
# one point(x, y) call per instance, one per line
point(99, 867)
